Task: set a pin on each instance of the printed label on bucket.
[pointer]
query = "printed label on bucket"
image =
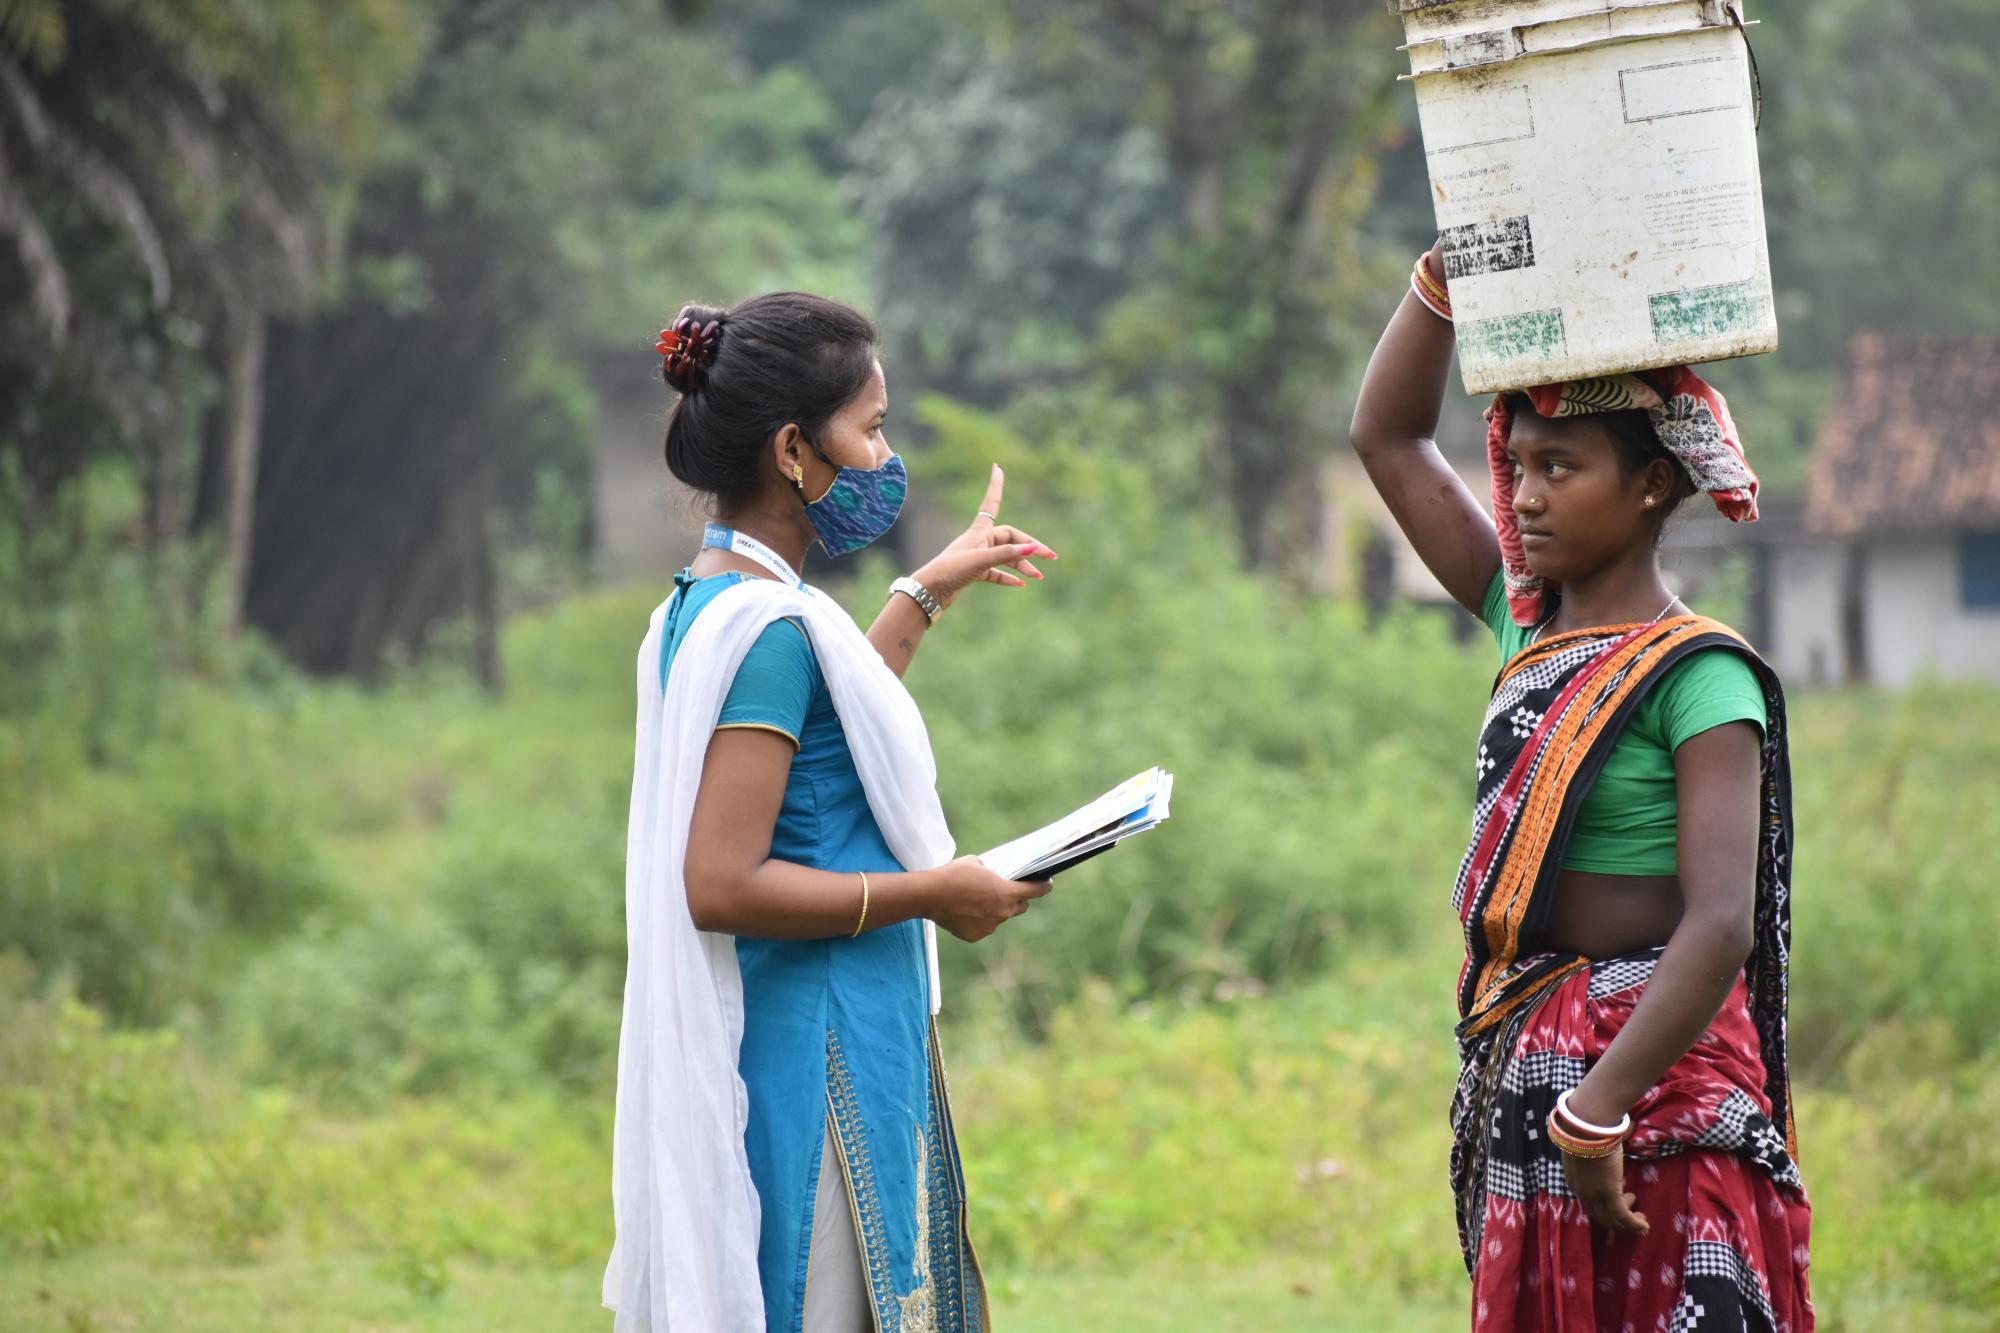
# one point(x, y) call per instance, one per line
point(1498, 246)
point(1705, 312)
point(1682, 88)
point(1501, 114)
point(1535, 335)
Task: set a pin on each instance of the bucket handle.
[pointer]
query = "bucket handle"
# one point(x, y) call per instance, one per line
point(1734, 8)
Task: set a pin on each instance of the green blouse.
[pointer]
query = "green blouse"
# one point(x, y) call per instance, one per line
point(1628, 821)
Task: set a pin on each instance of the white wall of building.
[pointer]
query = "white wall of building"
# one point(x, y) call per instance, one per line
point(1917, 623)
point(1804, 614)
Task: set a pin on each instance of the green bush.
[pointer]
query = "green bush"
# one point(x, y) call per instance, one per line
point(396, 1004)
point(149, 837)
point(1319, 783)
point(1212, 1135)
point(543, 901)
point(110, 1137)
point(99, 1126)
point(1898, 803)
point(147, 885)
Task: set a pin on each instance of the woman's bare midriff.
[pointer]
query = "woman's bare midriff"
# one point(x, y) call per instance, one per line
point(1602, 916)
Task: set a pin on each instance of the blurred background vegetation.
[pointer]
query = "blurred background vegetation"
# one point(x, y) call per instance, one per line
point(315, 724)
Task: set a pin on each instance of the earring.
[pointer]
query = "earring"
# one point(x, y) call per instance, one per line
point(799, 479)
point(1649, 502)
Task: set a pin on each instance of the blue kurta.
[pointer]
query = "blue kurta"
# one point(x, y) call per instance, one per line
point(839, 1030)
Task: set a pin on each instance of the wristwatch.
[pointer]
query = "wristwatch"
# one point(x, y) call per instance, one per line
point(919, 594)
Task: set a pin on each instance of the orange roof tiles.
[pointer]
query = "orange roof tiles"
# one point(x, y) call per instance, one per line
point(1914, 439)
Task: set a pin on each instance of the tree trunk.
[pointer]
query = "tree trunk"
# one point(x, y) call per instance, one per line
point(166, 489)
point(383, 435)
point(482, 594)
point(243, 419)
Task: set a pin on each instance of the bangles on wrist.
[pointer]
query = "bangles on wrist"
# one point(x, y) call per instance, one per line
point(1581, 1138)
point(1429, 290)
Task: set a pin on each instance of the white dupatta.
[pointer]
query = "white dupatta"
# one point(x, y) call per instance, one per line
point(685, 1259)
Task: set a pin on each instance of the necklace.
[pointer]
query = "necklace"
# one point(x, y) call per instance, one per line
point(1550, 619)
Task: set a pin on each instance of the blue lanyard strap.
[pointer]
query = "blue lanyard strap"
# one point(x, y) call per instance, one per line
point(728, 539)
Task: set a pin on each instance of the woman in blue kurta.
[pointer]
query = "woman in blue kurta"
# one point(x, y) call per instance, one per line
point(859, 1196)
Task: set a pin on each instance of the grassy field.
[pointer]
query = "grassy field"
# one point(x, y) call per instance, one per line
point(312, 995)
point(1273, 1163)
point(348, 1294)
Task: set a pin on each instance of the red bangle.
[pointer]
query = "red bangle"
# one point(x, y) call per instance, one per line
point(1576, 1146)
point(1435, 297)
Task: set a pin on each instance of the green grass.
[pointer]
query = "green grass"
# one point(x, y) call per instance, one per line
point(1270, 1163)
point(348, 1293)
point(303, 1292)
point(352, 960)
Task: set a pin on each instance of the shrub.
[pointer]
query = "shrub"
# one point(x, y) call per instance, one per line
point(146, 888)
point(396, 1004)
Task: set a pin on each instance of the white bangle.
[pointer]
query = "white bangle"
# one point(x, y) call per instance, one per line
point(1617, 1131)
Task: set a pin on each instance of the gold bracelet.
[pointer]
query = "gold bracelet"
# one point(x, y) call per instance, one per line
point(864, 905)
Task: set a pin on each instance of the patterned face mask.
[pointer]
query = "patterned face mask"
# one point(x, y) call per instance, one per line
point(859, 507)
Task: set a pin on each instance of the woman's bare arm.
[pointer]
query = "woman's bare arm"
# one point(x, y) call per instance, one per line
point(734, 885)
point(988, 551)
point(1393, 424)
point(1716, 775)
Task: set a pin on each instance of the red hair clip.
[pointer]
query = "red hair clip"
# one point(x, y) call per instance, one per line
point(689, 349)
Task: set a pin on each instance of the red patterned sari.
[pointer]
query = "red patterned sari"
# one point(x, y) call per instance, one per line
point(1712, 1154)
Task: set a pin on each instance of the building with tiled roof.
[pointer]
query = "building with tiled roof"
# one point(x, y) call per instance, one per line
point(1896, 575)
point(1886, 570)
point(1913, 442)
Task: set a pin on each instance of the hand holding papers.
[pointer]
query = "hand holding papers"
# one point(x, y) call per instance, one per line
point(1133, 806)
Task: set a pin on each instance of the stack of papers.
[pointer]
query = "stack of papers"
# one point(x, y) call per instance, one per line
point(1133, 806)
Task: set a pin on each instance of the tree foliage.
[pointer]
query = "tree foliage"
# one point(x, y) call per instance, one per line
point(1270, 113)
point(556, 185)
point(169, 175)
point(349, 282)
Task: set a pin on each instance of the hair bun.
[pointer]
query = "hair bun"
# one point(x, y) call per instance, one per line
point(689, 345)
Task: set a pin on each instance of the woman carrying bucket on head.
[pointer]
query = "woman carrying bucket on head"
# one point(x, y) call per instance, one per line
point(784, 1153)
point(1623, 1153)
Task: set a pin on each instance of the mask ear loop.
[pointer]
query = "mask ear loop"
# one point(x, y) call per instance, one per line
point(799, 472)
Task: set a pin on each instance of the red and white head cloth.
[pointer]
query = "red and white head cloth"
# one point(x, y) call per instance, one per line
point(1691, 420)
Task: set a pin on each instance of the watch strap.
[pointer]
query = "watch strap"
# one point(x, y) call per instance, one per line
point(919, 594)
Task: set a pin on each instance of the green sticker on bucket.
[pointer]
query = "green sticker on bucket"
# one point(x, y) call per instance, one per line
point(1535, 333)
point(1704, 312)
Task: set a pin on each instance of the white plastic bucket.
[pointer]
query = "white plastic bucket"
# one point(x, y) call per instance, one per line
point(1593, 165)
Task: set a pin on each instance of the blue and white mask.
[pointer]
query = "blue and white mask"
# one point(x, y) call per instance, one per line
point(859, 507)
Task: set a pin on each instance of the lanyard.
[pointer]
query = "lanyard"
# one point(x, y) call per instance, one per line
point(728, 539)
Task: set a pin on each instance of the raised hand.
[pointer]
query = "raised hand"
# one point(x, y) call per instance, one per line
point(988, 551)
